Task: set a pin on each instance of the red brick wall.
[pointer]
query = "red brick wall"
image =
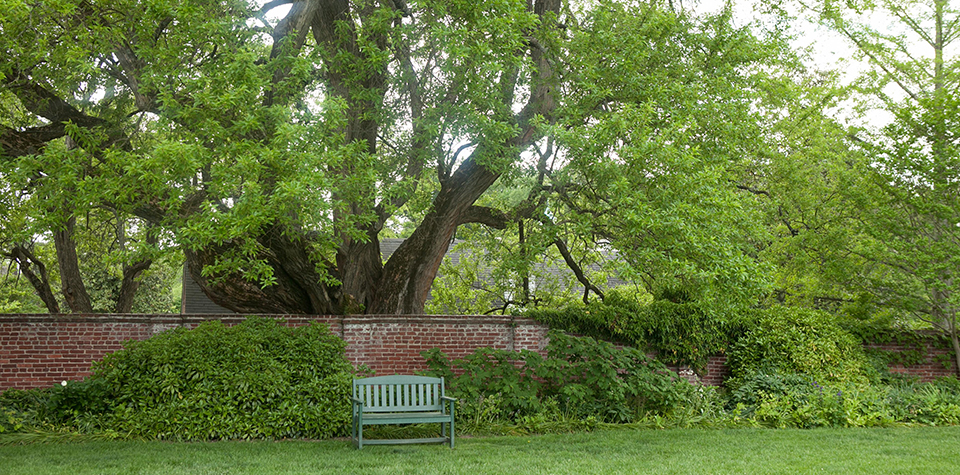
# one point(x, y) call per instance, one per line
point(390, 345)
point(42, 350)
point(938, 359)
point(716, 371)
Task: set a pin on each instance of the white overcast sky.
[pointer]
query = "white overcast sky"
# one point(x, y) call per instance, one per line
point(828, 50)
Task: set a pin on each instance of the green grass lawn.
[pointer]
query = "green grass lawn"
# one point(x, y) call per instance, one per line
point(922, 450)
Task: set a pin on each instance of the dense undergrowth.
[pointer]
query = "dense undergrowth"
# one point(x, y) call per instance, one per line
point(260, 379)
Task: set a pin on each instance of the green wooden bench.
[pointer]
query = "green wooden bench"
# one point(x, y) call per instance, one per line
point(401, 400)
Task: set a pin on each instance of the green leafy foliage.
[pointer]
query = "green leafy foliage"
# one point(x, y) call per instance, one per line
point(797, 341)
point(678, 330)
point(18, 410)
point(881, 329)
point(254, 380)
point(16, 296)
point(786, 400)
point(813, 405)
point(258, 379)
point(583, 377)
point(67, 412)
point(904, 208)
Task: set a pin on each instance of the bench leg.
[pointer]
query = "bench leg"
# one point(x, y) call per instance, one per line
point(358, 429)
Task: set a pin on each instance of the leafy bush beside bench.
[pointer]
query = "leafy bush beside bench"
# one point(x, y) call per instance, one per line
point(258, 379)
point(582, 377)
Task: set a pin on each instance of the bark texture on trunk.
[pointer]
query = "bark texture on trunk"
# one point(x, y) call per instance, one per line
point(71, 281)
point(299, 287)
point(129, 285)
point(955, 342)
point(410, 272)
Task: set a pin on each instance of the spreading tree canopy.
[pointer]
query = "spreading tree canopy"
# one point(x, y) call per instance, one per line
point(910, 204)
point(274, 143)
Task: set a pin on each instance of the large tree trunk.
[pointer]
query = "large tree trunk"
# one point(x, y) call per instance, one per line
point(301, 284)
point(403, 284)
point(71, 282)
point(129, 285)
point(409, 274)
point(360, 269)
point(359, 263)
point(299, 288)
point(955, 342)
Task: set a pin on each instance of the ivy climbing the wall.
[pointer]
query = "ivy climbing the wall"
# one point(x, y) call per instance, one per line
point(680, 330)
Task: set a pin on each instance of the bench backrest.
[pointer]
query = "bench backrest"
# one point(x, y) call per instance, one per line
point(399, 393)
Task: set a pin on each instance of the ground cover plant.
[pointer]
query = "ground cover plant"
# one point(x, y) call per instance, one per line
point(926, 450)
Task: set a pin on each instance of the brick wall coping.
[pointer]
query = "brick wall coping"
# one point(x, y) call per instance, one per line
point(438, 319)
point(185, 319)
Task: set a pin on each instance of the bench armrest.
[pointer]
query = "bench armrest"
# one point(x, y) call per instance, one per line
point(448, 401)
point(357, 402)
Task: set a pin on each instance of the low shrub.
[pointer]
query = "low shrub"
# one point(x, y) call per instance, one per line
point(258, 379)
point(936, 403)
point(67, 408)
point(787, 400)
point(777, 400)
point(757, 386)
point(580, 378)
point(505, 380)
point(797, 341)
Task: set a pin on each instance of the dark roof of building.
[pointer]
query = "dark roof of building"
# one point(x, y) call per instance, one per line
point(194, 301)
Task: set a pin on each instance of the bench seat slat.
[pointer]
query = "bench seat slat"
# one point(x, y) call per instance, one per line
point(405, 417)
point(375, 410)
